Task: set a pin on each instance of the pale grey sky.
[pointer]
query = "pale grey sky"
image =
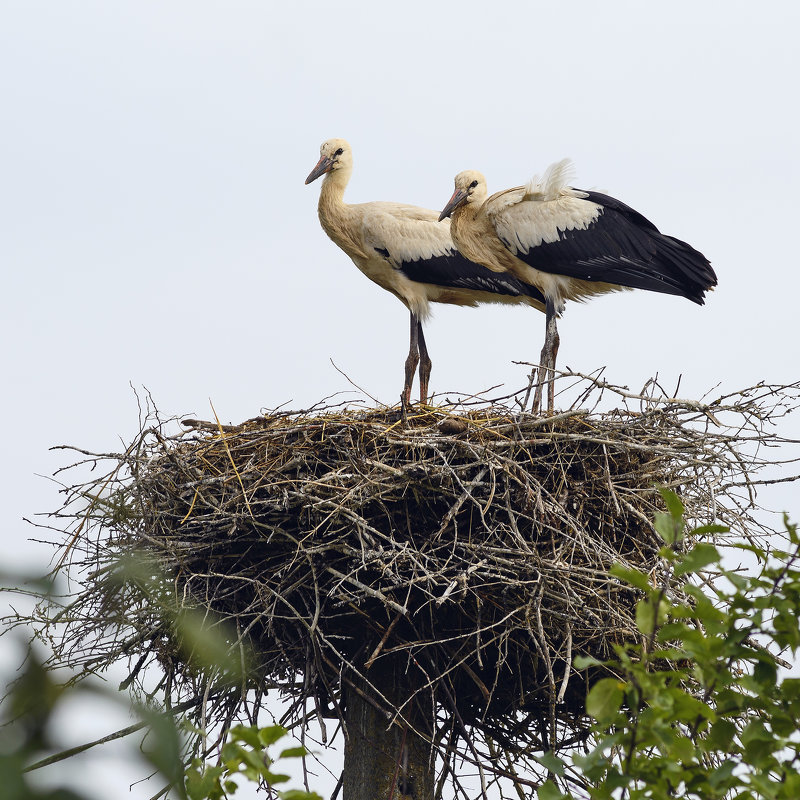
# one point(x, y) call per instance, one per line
point(155, 229)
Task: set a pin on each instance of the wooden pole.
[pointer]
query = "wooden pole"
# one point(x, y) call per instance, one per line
point(385, 760)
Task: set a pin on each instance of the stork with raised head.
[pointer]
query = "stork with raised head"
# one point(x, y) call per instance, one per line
point(571, 244)
point(409, 252)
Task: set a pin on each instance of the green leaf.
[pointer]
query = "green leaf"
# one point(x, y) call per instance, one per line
point(255, 759)
point(634, 577)
point(616, 780)
point(784, 724)
point(765, 673)
point(755, 731)
point(791, 530)
point(710, 530)
point(667, 527)
point(701, 555)
point(596, 765)
point(758, 744)
point(673, 503)
point(721, 735)
point(549, 791)
point(759, 552)
point(205, 784)
point(722, 773)
point(675, 631)
point(232, 754)
point(551, 762)
point(670, 525)
point(274, 777)
point(647, 616)
point(581, 662)
point(163, 746)
point(249, 735)
point(791, 784)
point(604, 699)
point(765, 786)
point(688, 708)
point(293, 752)
point(681, 750)
point(791, 688)
point(740, 583)
point(206, 642)
point(271, 734)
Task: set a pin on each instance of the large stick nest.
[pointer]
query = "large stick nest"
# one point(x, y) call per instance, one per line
point(469, 544)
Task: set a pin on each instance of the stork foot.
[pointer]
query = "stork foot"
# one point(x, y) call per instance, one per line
point(405, 404)
point(542, 378)
point(537, 395)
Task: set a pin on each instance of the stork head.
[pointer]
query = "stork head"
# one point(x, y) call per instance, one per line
point(334, 154)
point(470, 188)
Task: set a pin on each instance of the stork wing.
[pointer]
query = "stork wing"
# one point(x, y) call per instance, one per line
point(593, 237)
point(406, 233)
point(414, 242)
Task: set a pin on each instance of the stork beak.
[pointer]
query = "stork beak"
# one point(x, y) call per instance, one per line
point(323, 165)
point(459, 198)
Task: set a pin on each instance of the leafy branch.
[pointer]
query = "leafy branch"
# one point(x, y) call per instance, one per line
point(708, 712)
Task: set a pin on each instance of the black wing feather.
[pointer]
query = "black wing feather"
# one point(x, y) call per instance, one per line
point(455, 271)
point(624, 248)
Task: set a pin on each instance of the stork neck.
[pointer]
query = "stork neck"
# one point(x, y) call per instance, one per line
point(462, 222)
point(475, 237)
point(333, 186)
point(331, 207)
point(336, 216)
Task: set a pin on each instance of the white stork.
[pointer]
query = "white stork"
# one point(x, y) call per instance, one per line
point(571, 244)
point(408, 252)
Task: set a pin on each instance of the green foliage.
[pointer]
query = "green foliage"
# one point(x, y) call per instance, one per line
point(33, 698)
point(701, 708)
point(204, 642)
point(244, 755)
point(26, 740)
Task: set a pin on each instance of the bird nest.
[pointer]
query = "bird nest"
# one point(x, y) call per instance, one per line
point(470, 544)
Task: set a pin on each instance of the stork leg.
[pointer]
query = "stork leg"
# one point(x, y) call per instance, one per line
point(555, 340)
point(547, 359)
point(425, 365)
point(412, 360)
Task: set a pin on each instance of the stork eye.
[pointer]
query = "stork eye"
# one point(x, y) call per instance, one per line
point(339, 151)
point(473, 184)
